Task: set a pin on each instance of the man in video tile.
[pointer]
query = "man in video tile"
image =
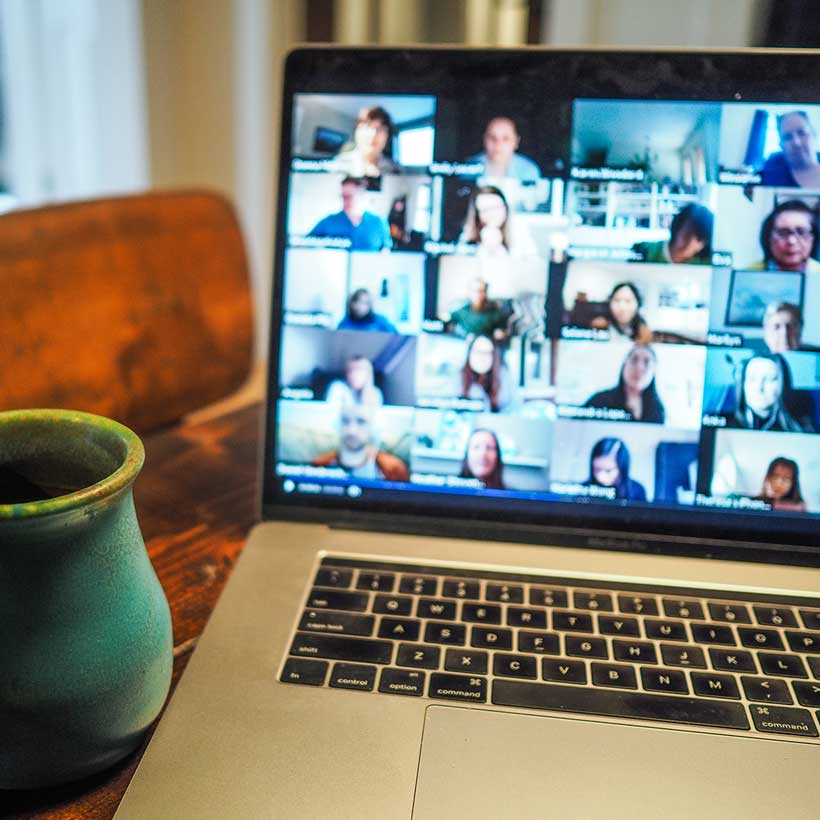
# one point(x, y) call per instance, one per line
point(782, 327)
point(481, 316)
point(365, 230)
point(357, 454)
point(798, 164)
point(500, 156)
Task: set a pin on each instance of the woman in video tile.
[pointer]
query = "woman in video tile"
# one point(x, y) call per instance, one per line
point(609, 464)
point(487, 222)
point(500, 156)
point(368, 153)
point(483, 376)
point(690, 239)
point(788, 237)
point(798, 164)
point(623, 314)
point(360, 315)
point(781, 486)
point(357, 387)
point(635, 392)
point(482, 459)
point(764, 397)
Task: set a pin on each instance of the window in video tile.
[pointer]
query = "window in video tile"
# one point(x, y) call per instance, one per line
point(639, 303)
point(363, 135)
point(770, 145)
point(481, 451)
point(624, 462)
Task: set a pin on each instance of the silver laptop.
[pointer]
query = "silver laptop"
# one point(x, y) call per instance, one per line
point(542, 463)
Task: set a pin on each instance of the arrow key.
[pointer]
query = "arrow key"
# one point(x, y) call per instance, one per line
point(766, 690)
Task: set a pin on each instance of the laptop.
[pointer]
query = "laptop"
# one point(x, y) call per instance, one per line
point(541, 474)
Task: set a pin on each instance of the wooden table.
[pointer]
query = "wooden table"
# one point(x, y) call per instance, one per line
point(196, 501)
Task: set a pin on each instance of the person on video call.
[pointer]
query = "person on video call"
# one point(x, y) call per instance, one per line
point(782, 327)
point(635, 392)
point(483, 376)
point(690, 239)
point(623, 314)
point(500, 156)
point(365, 230)
point(781, 486)
point(487, 222)
point(788, 238)
point(609, 464)
point(764, 397)
point(798, 164)
point(481, 316)
point(360, 315)
point(357, 453)
point(482, 459)
point(368, 154)
point(357, 387)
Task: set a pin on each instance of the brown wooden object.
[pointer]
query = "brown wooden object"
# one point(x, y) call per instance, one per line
point(136, 307)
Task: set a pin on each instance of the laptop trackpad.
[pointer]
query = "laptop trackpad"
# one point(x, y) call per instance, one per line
point(480, 764)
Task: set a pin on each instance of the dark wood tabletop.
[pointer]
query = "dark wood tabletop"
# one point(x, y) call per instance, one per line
point(196, 502)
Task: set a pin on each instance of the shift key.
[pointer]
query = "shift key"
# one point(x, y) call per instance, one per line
point(337, 648)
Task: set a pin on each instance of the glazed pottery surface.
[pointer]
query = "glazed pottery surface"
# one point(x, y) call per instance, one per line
point(85, 630)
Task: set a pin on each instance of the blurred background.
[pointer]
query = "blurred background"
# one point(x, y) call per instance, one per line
point(100, 97)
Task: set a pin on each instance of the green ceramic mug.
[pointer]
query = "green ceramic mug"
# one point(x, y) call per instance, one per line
point(85, 631)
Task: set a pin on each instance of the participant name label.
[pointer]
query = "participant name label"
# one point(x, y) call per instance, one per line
point(617, 174)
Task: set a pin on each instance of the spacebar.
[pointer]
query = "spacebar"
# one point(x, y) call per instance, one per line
point(637, 705)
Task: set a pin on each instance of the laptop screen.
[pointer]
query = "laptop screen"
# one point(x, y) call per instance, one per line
point(550, 288)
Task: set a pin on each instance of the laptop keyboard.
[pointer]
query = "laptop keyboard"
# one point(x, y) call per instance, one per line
point(697, 657)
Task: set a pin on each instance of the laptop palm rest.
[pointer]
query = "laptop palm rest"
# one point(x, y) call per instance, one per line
point(484, 764)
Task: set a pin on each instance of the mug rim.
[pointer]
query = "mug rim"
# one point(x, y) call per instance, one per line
point(107, 487)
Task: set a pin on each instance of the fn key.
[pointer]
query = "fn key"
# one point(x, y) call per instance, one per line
point(301, 670)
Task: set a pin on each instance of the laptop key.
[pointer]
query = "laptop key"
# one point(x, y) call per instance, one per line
point(766, 690)
point(460, 589)
point(337, 599)
point(713, 633)
point(665, 630)
point(782, 720)
point(300, 670)
point(572, 621)
point(637, 605)
point(613, 674)
point(713, 685)
point(481, 613)
point(811, 618)
point(399, 629)
point(487, 638)
point(530, 618)
point(505, 593)
point(337, 623)
point(683, 655)
point(597, 601)
point(814, 665)
point(402, 682)
point(732, 660)
point(760, 638)
point(734, 613)
point(467, 661)
point(586, 647)
point(541, 596)
point(458, 687)
point(337, 648)
point(539, 643)
point(563, 670)
point(447, 633)
point(515, 666)
point(784, 666)
point(774, 616)
point(807, 693)
point(392, 605)
point(441, 610)
point(418, 656)
point(376, 581)
point(635, 705)
point(353, 676)
point(658, 679)
point(634, 651)
point(618, 625)
point(418, 585)
point(679, 608)
point(804, 642)
point(329, 577)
